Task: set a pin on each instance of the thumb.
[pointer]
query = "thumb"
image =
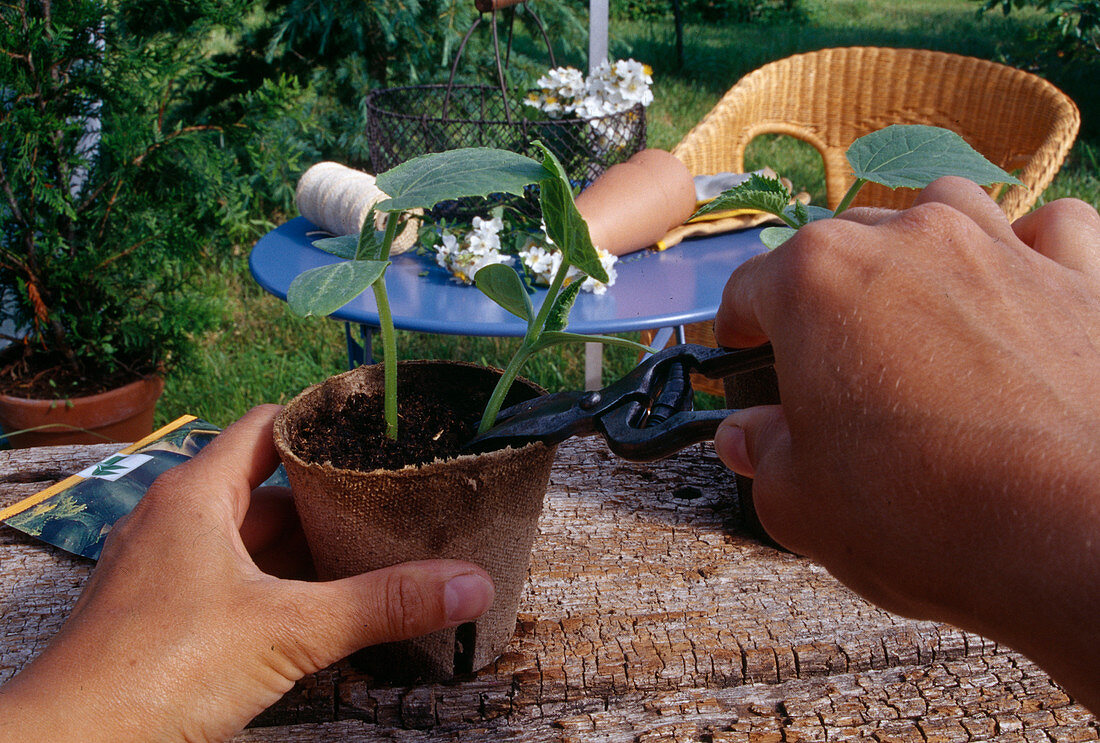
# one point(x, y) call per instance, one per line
point(746, 437)
point(394, 603)
point(756, 442)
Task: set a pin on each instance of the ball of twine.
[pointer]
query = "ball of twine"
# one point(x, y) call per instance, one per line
point(337, 199)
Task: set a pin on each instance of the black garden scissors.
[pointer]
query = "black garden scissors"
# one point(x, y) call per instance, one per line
point(647, 415)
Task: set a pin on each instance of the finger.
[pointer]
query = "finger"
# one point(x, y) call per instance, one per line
point(767, 292)
point(273, 536)
point(386, 605)
point(227, 469)
point(756, 442)
point(736, 325)
point(749, 435)
point(870, 215)
point(1066, 231)
point(969, 198)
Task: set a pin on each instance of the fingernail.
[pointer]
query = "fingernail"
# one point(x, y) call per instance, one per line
point(467, 597)
point(729, 442)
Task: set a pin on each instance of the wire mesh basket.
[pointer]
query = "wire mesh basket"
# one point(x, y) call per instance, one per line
point(403, 123)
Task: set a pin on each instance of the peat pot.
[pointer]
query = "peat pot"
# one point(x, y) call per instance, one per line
point(481, 508)
point(123, 414)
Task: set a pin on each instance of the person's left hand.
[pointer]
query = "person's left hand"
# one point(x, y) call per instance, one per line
point(180, 635)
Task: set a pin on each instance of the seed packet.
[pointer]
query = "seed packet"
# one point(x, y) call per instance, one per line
point(77, 513)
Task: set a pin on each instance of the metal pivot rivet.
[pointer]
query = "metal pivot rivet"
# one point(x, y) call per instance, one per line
point(590, 401)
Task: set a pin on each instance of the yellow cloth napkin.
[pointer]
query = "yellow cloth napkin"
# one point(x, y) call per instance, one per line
point(726, 221)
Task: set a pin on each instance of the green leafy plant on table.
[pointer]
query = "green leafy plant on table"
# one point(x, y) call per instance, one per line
point(899, 156)
point(422, 183)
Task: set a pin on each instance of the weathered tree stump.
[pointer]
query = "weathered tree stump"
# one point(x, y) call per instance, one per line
point(649, 615)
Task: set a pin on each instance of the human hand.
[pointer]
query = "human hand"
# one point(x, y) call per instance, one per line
point(179, 634)
point(936, 444)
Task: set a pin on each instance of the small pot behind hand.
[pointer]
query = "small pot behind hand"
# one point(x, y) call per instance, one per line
point(759, 387)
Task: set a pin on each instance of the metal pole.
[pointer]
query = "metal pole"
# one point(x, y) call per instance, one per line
point(597, 53)
point(597, 33)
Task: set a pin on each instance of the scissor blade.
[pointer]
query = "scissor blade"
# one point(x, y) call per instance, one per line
point(550, 419)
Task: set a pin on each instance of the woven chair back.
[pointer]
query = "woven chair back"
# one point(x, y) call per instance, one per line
point(830, 98)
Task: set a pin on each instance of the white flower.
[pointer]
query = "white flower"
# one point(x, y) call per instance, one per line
point(564, 82)
point(447, 249)
point(488, 229)
point(543, 263)
point(633, 81)
point(594, 106)
point(480, 247)
point(610, 89)
point(558, 90)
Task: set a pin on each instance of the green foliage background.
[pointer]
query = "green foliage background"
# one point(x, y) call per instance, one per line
point(731, 11)
point(1065, 48)
point(102, 238)
point(236, 98)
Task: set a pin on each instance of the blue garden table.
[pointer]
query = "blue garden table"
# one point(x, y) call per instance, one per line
point(654, 289)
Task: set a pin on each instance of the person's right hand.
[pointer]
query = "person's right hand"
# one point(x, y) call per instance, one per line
point(937, 443)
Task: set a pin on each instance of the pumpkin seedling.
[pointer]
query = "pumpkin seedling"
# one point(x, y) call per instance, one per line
point(898, 156)
point(446, 176)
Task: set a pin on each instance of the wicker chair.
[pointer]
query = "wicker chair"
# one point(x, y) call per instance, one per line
point(831, 97)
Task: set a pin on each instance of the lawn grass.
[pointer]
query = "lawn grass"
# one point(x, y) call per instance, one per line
point(263, 353)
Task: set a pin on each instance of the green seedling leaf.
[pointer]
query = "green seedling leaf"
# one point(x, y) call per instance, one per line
point(814, 214)
point(563, 303)
point(801, 214)
point(758, 192)
point(773, 237)
point(321, 291)
point(796, 213)
point(557, 338)
point(372, 244)
point(366, 245)
point(551, 163)
point(913, 156)
point(344, 246)
point(502, 284)
point(427, 180)
point(564, 224)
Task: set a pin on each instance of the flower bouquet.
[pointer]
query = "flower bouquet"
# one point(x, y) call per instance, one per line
point(612, 89)
point(463, 251)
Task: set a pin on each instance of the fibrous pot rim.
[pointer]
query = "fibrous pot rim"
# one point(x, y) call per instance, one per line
point(427, 469)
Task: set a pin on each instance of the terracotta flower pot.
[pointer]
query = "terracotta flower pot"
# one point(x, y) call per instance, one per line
point(123, 414)
point(483, 509)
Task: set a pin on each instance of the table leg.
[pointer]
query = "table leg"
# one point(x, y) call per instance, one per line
point(664, 335)
point(593, 366)
point(359, 350)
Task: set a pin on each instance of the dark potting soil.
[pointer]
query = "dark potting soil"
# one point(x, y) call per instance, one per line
point(41, 376)
point(354, 436)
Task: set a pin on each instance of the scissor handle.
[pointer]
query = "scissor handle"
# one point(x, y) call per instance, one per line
point(644, 431)
point(662, 439)
point(716, 363)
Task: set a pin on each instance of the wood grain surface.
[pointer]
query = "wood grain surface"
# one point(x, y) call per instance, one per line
point(649, 615)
